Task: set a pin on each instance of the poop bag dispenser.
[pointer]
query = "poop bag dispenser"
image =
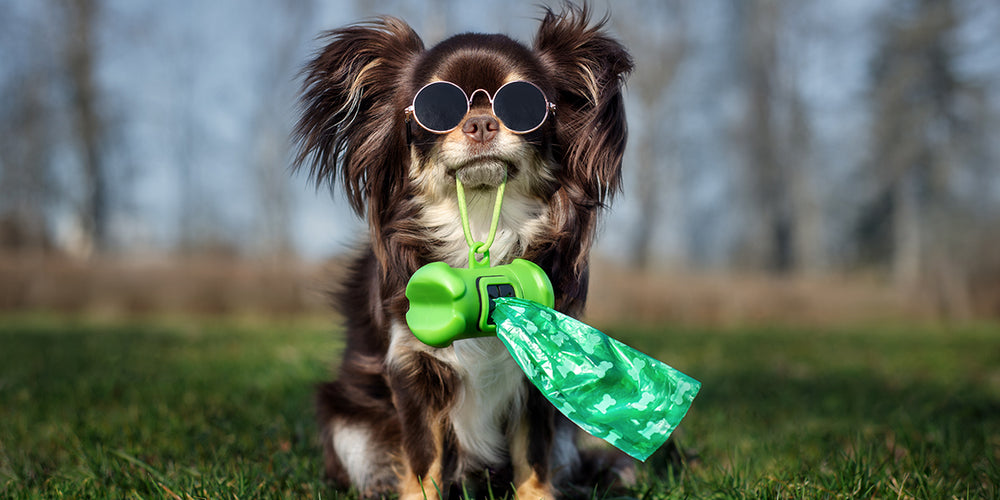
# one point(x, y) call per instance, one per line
point(448, 304)
point(609, 389)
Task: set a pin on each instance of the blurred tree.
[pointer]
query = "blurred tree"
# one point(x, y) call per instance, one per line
point(656, 35)
point(26, 184)
point(198, 219)
point(270, 132)
point(770, 226)
point(770, 240)
point(807, 25)
point(916, 128)
point(25, 181)
point(781, 218)
point(742, 117)
point(81, 56)
point(201, 224)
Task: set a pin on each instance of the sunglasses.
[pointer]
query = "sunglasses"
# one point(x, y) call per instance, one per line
point(439, 107)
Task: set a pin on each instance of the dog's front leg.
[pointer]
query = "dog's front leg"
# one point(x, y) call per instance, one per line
point(423, 390)
point(531, 448)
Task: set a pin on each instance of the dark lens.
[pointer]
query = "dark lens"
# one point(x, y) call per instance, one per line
point(440, 106)
point(520, 105)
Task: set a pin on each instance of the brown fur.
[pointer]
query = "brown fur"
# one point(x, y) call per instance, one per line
point(353, 128)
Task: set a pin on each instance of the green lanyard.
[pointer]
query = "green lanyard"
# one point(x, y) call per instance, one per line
point(448, 303)
point(480, 247)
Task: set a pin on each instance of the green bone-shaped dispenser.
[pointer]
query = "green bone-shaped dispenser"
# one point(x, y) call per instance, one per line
point(448, 304)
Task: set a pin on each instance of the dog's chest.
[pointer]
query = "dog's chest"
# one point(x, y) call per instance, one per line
point(492, 385)
point(492, 395)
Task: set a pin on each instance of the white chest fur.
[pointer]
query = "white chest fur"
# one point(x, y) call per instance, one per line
point(492, 388)
point(522, 219)
point(492, 391)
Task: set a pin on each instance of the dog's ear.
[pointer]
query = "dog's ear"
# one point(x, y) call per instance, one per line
point(588, 69)
point(351, 123)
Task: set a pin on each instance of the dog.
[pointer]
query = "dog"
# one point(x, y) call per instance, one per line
point(549, 121)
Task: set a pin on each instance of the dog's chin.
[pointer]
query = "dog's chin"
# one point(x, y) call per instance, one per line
point(485, 173)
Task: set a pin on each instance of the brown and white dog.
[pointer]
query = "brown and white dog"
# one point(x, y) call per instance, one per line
point(403, 416)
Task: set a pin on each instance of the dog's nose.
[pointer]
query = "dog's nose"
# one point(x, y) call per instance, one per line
point(481, 128)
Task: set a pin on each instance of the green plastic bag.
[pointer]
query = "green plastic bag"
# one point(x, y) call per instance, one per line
point(609, 389)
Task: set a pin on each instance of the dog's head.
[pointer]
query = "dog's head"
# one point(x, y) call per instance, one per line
point(550, 116)
point(481, 111)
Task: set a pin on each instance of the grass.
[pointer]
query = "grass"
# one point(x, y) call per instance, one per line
point(866, 413)
point(222, 409)
point(159, 410)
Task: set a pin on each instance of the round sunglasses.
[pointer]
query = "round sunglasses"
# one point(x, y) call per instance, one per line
point(439, 107)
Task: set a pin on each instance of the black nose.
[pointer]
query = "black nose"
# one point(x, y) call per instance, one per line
point(481, 128)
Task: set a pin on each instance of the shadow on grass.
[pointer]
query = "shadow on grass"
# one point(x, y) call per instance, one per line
point(899, 424)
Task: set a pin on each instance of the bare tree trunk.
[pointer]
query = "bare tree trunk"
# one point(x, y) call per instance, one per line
point(647, 193)
point(772, 225)
point(25, 182)
point(917, 129)
point(658, 60)
point(273, 237)
point(907, 258)
point(807, 218)
point(81, 56)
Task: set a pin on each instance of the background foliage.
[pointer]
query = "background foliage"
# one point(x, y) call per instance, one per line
point(773, 136)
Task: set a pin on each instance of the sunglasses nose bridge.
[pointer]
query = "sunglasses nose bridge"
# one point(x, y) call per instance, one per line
point(475, 93)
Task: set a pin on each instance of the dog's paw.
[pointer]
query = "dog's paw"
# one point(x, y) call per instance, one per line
point(533, 489)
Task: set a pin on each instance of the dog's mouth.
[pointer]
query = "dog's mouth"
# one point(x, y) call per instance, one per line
point(486, 172)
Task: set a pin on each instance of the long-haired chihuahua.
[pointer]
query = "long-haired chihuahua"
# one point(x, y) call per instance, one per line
point(396, 124)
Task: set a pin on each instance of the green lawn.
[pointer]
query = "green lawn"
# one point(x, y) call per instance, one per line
point(222, 409)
